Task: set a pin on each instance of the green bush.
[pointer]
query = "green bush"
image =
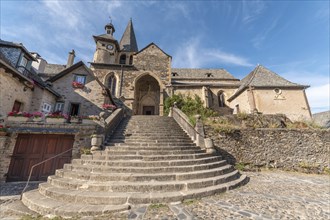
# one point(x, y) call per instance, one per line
point(190, 106)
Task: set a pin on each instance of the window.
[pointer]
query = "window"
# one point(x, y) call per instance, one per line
point(80, 79)
point(17, 106)
point(46, 108)
point(174, 74)
point(59, 106)
point(209, 74)
point(122, 59)
point(112, 84)
point(74, 109)
point(221, 99)
point(22, 64)
point(131, 60)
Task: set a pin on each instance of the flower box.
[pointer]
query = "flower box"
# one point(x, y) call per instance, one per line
point(78, 85)
point(56, 120)
point(18, 118)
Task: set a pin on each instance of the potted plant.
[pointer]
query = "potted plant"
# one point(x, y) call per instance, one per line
point(56, 117)
point(77, 85)
point(3, 130)
point(19, 116)
point(37, 116)
point(109, 107)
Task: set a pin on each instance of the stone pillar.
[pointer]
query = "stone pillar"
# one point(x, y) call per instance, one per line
point(209, 145)
point(199, 128)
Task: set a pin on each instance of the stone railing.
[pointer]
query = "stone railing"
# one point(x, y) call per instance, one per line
point(195, 133)
point(113, 120)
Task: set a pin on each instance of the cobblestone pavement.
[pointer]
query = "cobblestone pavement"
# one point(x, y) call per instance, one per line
point(268, 195)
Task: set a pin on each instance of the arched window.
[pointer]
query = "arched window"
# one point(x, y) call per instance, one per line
point(122, 59)
point(221, 99)
point(112, 84)
point(131, 60)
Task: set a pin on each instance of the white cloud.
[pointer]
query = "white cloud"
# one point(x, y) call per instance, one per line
point(251, 10)
point(192, 54)
point(259, 39)
point(319, 98)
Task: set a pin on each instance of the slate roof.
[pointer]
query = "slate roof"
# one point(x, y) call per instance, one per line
point(17, 45)
point(265, 78)
point(128, 40)
point(185, 73)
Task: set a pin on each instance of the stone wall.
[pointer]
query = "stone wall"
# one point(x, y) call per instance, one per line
point(41, 96)
point(12, 89)
point(81, 134)
point(289, 149)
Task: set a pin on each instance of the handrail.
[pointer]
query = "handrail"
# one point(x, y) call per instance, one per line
point(37, 164)
point(196, 133)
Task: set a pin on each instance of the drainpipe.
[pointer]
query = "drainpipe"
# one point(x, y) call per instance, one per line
point(121, 80)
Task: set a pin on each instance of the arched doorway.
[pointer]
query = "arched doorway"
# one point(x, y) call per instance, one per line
point(147, 96)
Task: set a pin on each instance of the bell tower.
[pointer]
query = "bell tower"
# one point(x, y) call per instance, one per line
point(107, 46)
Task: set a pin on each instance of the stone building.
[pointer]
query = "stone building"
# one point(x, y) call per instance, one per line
point(142, 79)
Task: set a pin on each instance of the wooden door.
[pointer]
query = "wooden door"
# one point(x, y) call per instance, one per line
point(31, 149)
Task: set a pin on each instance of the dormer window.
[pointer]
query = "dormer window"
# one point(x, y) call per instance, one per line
point(209, 74)
point(174, 74)
point(22, 64)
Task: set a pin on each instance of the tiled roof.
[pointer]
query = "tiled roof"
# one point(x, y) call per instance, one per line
point(263, 77)
point(201, 73)
point(53, 69)
point(128, 40)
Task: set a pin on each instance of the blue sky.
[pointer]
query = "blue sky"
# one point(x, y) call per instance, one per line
point(289, 37)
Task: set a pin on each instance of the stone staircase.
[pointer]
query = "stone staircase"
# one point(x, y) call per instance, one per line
point(149, 159)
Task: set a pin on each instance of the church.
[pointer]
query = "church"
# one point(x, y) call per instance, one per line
point(139, 80)
point(142, 79)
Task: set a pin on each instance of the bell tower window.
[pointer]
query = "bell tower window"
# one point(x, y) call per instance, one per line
point(221, 99)
point(122, 59)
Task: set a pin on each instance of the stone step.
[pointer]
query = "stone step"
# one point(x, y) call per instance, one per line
point(146, 157)
point(37, 202)
point(52, 198)
point(105, 177)
point(137, 163)
point(149, 141)
point(160, 145)
point(136, 170)
point(137, 148)
point(138, 186)
point(119, 151)
point(148, 138)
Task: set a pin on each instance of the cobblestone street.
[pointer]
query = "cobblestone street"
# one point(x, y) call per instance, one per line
point(268, 195)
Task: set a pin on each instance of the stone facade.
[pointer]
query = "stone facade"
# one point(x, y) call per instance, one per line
point(289, 149)
point(82, 134)
point(11, 90)
point(89, 98)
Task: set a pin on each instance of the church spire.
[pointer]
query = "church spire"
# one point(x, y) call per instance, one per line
point(128, 40)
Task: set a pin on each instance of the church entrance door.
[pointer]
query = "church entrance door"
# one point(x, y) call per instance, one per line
point(147, 96)
point(148, 110)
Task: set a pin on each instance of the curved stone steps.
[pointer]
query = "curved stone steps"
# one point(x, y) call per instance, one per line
point(139, 163)
point(45, 205)
point(105, 177)
point(185, 144)
point(87, 200)
point(154, 169)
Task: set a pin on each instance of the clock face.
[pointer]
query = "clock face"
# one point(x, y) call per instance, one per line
point(110, 47)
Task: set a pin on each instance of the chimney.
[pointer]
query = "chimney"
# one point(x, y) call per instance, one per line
point(70, 59)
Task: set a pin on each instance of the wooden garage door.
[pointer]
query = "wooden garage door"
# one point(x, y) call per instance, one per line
point(34, 148)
